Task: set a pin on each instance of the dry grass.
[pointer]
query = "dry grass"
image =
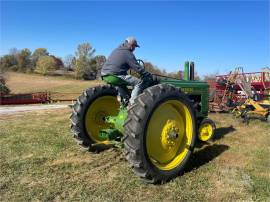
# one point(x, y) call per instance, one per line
point(40, 161)
point(25, 83)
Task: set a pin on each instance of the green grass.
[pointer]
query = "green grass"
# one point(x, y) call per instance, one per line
point(41, 161)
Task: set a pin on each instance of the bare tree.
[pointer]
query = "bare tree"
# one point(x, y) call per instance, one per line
point(69, 62)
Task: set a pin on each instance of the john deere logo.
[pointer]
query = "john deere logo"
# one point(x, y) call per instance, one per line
point(187, 90)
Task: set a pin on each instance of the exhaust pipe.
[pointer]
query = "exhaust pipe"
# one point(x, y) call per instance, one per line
point(191, 71)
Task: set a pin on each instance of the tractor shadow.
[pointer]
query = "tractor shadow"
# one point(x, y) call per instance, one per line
point(219, 134)
point(101, 148)
point(209, 151)
point(205, 155)
point(222, 131)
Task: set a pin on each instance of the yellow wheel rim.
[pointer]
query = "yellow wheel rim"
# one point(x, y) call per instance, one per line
point(205, 131)
point(96, 114)
point(169, 134)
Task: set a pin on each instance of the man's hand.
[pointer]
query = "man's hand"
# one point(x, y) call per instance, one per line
point(146, 75)
point(147, 78)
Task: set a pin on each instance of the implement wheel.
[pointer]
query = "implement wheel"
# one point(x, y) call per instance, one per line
point(160, 133)
point(88, 115)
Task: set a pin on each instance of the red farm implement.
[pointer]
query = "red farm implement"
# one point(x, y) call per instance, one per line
point(27, 98)
point(227, 91)
point(38, 97)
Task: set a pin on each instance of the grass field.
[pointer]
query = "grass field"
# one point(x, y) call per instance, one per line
point(26, 83)
point(40, 161)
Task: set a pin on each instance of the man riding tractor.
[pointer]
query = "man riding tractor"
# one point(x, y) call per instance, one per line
point(160, 127)
point(115, 69)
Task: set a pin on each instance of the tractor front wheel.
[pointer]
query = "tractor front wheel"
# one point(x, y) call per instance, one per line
point(206, 130)
point(160, 133)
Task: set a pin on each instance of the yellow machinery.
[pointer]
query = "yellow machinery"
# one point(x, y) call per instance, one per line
point(253, 109)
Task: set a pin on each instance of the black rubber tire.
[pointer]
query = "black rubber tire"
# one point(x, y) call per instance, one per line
point(268, 118)
point(212, 123)
point(136, 124)
point(79, 111)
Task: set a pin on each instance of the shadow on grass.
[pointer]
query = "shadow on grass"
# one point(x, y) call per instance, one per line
point(97, 148)
point(205, 155)
point(221, 132)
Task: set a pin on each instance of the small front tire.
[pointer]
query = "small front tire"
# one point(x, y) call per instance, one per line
point(206, 130)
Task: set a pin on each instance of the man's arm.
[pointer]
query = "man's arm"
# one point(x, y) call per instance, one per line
point(132, 62)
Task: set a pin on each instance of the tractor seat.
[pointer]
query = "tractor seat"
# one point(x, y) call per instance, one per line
point(114, 80)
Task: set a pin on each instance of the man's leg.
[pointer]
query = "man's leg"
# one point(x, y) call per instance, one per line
point(123, 93)
point(138, 85)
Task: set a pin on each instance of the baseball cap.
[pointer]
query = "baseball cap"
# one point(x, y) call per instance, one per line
point(131, 40)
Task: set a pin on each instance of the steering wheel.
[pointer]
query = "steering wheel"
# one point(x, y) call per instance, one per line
point(140, 62)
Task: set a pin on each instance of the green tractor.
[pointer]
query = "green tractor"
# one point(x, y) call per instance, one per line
point(158, 132)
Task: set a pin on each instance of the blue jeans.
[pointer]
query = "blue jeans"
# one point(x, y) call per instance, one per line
point(139, 86)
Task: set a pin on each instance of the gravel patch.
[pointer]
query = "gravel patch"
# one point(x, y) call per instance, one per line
point(5, 110)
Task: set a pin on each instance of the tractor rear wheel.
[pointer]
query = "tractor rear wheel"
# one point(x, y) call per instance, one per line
point(88, 116)
point(160, 133)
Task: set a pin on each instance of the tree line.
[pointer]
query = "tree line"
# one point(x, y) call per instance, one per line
point(84, 64)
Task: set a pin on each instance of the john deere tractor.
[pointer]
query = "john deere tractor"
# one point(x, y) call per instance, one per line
point(158, 132)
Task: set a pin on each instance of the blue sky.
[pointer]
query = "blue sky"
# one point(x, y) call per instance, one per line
point(217, 35)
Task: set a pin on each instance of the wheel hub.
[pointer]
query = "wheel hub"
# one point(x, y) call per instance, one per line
point(95, 118)
point(100, 117)
point(205, 132)
point(170, 135)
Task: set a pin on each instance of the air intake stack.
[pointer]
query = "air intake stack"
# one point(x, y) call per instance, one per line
point(189, 71)
point(186, 71)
